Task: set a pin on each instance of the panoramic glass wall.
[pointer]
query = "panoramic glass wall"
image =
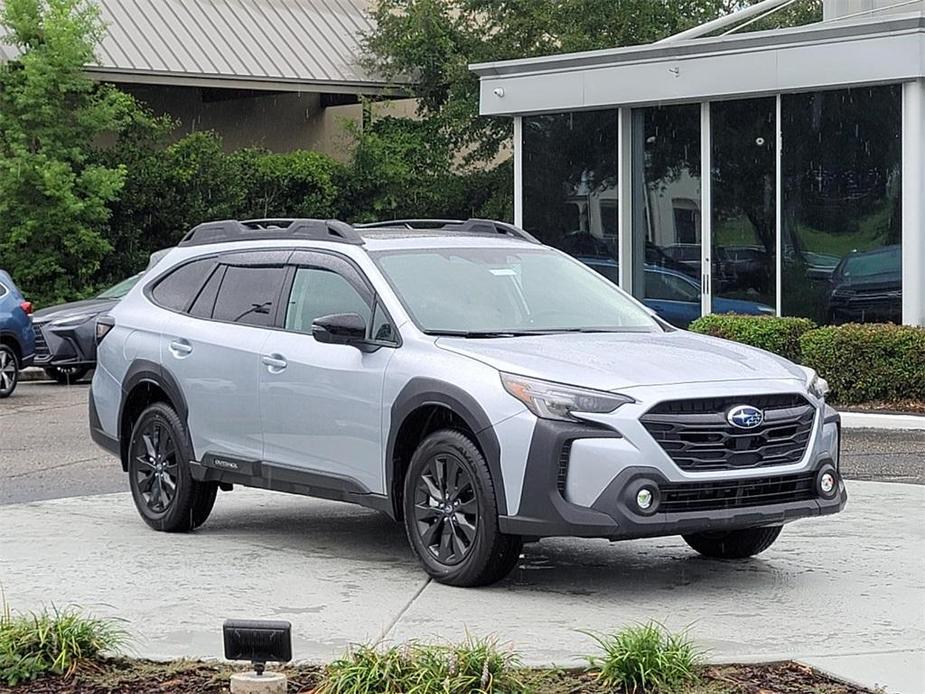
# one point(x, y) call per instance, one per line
point(667, 210)
point(743, 192)
point(841, 196)
point(570, 185)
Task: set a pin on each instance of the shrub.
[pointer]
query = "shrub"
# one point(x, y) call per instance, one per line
point(55, 642)
point(646, 657)
point(871, 362)
point(778, 335)
point(473, 667)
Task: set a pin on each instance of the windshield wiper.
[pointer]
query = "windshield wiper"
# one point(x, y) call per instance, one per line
point(478, 334)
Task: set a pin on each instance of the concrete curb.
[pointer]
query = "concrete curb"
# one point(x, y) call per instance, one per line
point(873, 420)
point(32, 374)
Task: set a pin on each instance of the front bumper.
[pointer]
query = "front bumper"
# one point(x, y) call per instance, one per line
point(69, 346)
point(581, 480)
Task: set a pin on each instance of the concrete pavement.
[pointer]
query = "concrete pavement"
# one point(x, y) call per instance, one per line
point(849, 587)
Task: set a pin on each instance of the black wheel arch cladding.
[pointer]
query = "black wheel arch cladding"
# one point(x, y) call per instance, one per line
point(423, 392)
point(142, 372)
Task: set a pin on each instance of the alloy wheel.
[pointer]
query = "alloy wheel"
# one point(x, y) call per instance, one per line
point(8, 370)
point(446, 509)
point(156, 470)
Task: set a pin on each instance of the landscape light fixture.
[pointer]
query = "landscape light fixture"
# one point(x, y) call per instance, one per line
point(259, 642)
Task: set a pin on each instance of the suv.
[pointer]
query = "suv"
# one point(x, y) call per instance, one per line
point(460, 376)
point(17, 339)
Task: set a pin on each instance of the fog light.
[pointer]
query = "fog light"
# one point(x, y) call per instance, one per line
point(827, 483)
point(644, 498)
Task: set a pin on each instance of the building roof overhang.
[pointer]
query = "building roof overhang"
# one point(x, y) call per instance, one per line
point(885, 49)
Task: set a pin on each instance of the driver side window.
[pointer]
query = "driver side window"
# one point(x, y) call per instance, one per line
point(318, 292)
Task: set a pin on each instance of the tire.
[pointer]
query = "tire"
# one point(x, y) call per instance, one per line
point(9, 371)
point(458, 544)
point(166, 496)
point(734, 544)
point(66, 375)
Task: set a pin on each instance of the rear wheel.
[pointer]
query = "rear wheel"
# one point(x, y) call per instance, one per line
point(66, 375)
point(9, 371)
point(451, 513)
point(734, 544)
point(165, 494)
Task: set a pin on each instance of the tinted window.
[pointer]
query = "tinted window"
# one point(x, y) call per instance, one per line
point(318, 292)
point(177, 290)
point(204, 303)
point(249, 295)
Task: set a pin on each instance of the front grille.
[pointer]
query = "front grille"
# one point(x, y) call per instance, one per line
point(562, 476)
point(697, 437)
point(41, 347)
point(712, 496)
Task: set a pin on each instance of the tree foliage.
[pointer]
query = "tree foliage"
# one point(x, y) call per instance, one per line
point(433, 42)
point(54, 198)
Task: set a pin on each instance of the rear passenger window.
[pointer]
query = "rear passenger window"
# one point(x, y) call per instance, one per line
point(178, 289)
point(249, 295)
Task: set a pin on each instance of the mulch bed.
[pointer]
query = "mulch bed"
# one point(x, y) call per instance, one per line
point(185, 677)
point(894, 407)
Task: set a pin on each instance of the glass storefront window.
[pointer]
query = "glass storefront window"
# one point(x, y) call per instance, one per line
point(743, 177)
point(570, 185)
point(841, 194)
point(667, 210)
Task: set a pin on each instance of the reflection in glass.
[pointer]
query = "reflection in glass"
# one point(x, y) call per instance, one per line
point(841, 190)
point(667, 210)
point(570, 185)
point(743, 197)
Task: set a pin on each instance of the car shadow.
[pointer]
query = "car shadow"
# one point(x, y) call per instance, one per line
point(570, 566)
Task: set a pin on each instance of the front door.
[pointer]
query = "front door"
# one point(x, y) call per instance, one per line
point(321, 404)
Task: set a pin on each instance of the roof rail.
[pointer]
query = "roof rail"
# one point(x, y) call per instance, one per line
point(472, 226)
point(271, 229)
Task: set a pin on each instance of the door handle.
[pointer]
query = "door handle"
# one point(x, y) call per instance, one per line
point(274, 362)
point(180, 348)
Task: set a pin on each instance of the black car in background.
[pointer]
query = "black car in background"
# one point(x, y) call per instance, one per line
point(65, 335)
point(867, 288)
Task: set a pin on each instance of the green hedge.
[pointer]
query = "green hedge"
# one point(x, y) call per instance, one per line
point(862, 363)
point(778, 335)
point(867, 363)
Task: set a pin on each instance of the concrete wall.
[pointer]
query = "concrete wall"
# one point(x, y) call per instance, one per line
point(836, 9)
point(278, 121)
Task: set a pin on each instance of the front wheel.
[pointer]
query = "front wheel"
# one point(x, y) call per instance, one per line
point(734, 544)
point(165, 494)
point(9, 371)
point(451, 513)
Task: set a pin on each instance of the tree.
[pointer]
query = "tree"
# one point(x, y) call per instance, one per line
point(433, 42)
point(53, 197)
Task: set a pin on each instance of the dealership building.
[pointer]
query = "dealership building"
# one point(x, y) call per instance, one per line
point(723, 169)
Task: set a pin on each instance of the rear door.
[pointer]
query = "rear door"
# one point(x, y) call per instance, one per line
point(213, 348)
point(321, 404)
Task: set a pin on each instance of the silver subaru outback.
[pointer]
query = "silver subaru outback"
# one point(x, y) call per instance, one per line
point(461, 377)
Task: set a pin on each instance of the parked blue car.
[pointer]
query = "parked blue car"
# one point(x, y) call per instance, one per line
point(17, 339)
point(673, 295)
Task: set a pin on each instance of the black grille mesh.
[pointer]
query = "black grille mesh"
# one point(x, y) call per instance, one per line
point(732, 494)
point(697, 437)
point(41, 347)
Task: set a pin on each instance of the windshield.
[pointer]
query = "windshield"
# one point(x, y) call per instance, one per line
point(504, 291)
point(119, 290)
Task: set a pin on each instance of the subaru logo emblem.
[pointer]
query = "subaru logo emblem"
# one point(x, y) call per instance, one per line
point(745, 417)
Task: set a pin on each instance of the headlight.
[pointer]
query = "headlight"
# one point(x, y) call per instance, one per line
point(816, 385)
point(71, 321)
point(766, 309)
point(556, 401)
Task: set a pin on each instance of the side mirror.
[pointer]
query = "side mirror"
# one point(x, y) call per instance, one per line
point(340, 329)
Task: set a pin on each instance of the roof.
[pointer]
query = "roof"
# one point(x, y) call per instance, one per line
point(304, 45)
point(869, 50)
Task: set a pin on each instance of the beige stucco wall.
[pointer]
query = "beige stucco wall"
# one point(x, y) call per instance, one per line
point(280, 122)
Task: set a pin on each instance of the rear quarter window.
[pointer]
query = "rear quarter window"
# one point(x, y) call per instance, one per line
point(178, 288)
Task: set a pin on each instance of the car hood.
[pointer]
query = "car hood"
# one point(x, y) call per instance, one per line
point(73, 308)
point(617, 361)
